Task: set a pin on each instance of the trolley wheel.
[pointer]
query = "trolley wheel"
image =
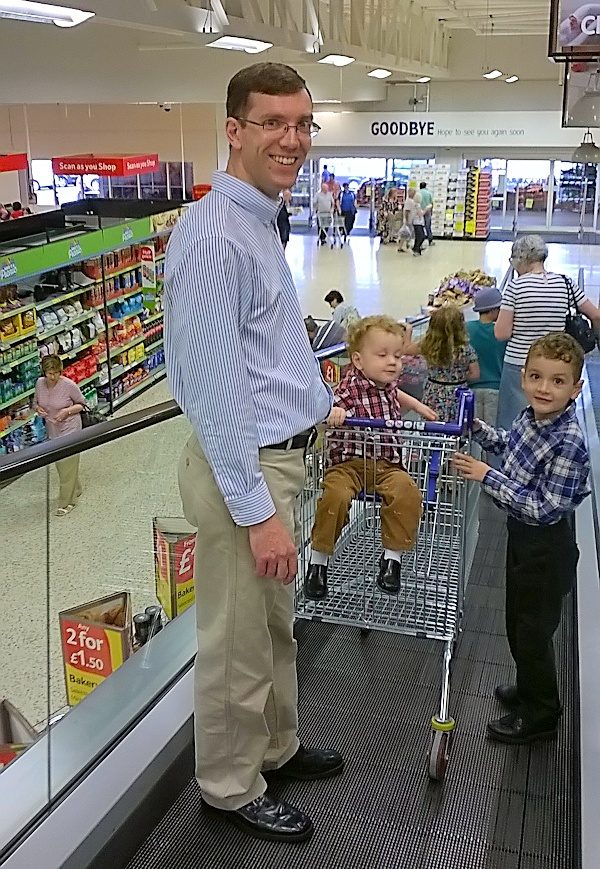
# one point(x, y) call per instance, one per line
point(364, 632)
point(439, 754)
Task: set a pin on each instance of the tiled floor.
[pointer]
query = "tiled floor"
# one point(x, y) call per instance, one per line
point(105, 545)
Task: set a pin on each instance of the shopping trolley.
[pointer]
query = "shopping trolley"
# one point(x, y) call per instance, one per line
point(433, 574)
point(334, 227)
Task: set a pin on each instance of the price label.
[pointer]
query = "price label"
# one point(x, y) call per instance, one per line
point(88, 649)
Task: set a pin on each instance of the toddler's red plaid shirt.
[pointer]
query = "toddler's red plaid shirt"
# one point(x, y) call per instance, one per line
point(361, 398)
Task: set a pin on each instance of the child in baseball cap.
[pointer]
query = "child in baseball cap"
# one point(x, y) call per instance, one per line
point(490, 353)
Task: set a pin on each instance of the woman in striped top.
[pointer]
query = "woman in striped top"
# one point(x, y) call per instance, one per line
point(534, 304)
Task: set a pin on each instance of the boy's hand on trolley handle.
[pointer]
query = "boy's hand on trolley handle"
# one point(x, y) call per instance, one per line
point(426, 412)
point(469, 467)
point(336, 418)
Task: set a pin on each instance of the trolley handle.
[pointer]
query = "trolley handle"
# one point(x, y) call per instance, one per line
point(464, 422)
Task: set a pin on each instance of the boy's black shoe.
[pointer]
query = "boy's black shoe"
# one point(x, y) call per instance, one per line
point(315, 582)
point(513, 730)
point(268, 818)
point(389, 576)
point(507, 695)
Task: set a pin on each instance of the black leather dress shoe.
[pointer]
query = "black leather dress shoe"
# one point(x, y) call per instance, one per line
point(507, 695)
point(315, 582)
point(311, 763)
point(267, 818)
point(513, 730)
point(389, 576)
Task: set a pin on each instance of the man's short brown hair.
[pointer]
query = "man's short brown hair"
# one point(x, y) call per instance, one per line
point(359, 329)
point(558, 345)
point(274, 79)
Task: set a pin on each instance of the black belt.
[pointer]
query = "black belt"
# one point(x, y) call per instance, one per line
point(447, 382)
point(299, 442)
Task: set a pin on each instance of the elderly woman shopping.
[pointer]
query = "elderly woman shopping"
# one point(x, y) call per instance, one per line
point(534, 304)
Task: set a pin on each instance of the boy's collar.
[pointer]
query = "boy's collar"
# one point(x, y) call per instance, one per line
point(569, 410)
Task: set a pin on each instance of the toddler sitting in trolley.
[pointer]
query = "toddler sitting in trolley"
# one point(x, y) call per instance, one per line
point(368, 390)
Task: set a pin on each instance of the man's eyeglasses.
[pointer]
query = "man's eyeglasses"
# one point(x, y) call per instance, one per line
point(273, 126)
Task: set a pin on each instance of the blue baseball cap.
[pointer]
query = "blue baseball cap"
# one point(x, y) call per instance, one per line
point(487, 299)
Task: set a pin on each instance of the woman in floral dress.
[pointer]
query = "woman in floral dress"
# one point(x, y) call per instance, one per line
point(451, 361)
point(389, 216)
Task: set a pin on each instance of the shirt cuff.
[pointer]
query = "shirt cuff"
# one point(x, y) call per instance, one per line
point(493, 480)
point(251, 509)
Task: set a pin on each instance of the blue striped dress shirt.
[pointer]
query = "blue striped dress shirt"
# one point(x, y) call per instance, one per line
point(238, 358)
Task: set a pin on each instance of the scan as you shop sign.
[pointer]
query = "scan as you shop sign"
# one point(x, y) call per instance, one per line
point(574, 30)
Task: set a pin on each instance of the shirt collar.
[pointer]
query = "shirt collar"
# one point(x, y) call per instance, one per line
point(247, 196)
point(367, 383)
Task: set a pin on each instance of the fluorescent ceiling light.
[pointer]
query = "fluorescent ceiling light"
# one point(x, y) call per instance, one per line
point(379, 73)
point(240, 43)
point(317, 102)
point(337, 59)
point(43, 13)
point(424, 79)
point(493, 73)
point(511, 79)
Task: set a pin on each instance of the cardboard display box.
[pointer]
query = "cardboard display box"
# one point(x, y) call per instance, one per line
point(174, 549)
point(16, 733)
point(96, 640)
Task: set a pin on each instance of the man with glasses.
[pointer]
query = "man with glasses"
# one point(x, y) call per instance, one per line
point(241, 367)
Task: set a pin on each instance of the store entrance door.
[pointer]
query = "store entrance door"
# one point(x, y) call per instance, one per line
point(528, 182)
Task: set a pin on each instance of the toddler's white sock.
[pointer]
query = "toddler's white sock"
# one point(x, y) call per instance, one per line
point(318, 557)
point(392, 554)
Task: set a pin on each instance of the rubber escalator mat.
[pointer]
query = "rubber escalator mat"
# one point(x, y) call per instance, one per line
point(372, 697)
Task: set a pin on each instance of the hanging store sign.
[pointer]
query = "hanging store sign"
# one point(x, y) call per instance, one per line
point(581, 94)
point(346, 130)
point(574, 30)
point(13, 162)
point(109, 166)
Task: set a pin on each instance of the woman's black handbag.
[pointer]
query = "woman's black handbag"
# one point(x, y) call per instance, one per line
point(577, 325)
point(91, 417)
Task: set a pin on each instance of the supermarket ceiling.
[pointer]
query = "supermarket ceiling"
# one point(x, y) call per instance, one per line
point(142, 50)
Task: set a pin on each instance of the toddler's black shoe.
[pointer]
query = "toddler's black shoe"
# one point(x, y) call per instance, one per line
point(315, 582)
point(389, 576)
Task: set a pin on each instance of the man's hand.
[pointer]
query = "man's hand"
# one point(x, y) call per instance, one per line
point(337, 417)
point(469, 467)
point(426, 412)
point(274, 550)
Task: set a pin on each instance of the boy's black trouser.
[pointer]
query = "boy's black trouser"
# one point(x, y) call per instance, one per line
point(541, 564)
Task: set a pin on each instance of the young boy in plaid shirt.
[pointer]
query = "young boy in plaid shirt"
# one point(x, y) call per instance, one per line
point(542, 478)
point(369, 389)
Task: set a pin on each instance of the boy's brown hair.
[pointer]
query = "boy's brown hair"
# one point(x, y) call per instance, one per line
point(558, 345)
point(359, 329)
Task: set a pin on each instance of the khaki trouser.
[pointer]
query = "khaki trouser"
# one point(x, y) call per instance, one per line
point(246, 693)
point(400, 511)
point(68, 475)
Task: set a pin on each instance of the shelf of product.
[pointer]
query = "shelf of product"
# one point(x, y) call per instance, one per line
point(99, 309)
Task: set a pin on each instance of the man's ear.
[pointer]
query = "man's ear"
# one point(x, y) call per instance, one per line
point(232, 131)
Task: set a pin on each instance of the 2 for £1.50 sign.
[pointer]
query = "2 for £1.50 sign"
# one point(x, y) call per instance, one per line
point(91, 653)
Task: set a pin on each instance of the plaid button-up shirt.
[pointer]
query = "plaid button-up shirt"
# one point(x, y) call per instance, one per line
point(361, 398)
point(545, 467)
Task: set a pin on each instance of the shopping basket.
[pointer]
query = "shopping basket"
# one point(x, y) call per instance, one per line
point(433, 574)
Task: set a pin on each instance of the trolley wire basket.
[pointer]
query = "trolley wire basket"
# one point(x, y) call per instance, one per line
point(433, 574)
